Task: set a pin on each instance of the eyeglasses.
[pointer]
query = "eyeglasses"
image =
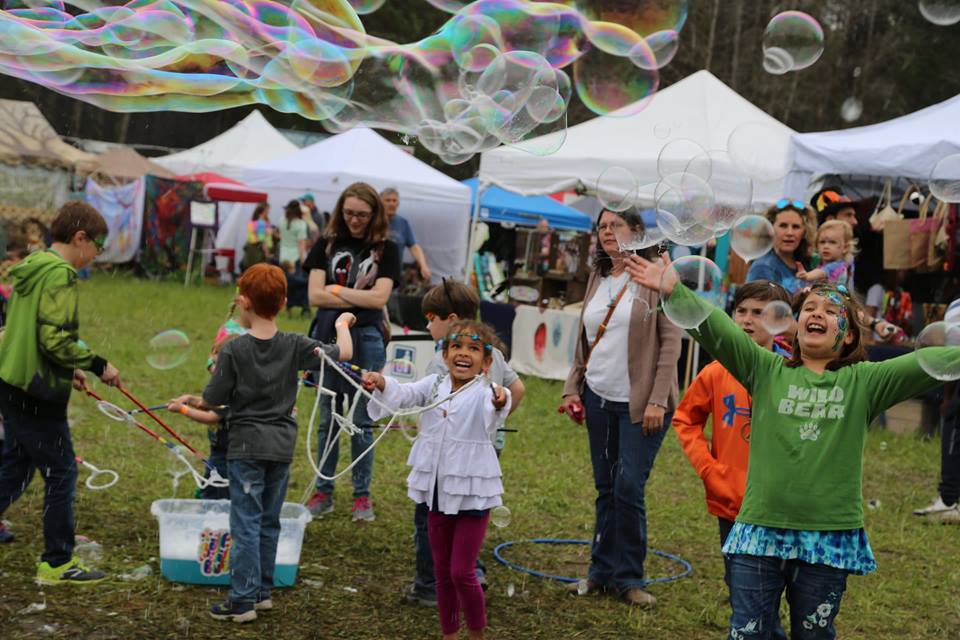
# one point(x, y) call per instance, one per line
point(359, 215)
point(787, 203)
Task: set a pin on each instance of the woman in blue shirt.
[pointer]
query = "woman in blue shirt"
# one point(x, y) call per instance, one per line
point(794, 227)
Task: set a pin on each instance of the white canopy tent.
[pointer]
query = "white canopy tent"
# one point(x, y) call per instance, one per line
point(437, 206)
point(908, 147)
point(250, 142)
point(699, 108)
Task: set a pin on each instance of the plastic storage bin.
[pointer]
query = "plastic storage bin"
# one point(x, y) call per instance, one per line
point(195, 541)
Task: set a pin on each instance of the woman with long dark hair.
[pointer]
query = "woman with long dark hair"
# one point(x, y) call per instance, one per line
point(624, 382)
point(353, 267)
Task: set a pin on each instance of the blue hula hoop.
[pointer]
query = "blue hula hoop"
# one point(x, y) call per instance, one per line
point(497, 553)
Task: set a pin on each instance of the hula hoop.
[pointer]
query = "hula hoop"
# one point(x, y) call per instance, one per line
point(497, 553)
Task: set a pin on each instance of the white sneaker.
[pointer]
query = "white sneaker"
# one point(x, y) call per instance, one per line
point(950, 516)
point(936, 508)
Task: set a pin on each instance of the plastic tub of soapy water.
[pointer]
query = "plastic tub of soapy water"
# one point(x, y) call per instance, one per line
point(195, 541)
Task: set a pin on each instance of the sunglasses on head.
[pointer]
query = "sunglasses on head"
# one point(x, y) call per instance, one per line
point(787, 203)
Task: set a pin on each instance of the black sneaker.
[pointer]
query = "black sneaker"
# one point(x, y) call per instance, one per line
point(234, 611)
point(417, 596)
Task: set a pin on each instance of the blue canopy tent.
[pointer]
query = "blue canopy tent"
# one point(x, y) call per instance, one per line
point(499, 205)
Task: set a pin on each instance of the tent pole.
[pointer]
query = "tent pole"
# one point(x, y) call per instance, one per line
point(474, 214)
point(193, 242)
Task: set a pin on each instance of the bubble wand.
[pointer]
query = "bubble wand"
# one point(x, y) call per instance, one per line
point(114, 412)
point(156, 419)
point(92, 483)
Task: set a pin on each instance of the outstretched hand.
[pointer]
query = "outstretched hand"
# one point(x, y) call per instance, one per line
point(373, 380)
point(649, 273)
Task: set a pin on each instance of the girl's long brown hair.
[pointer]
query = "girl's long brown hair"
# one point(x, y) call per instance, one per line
point(377, 229)
point(850, 353)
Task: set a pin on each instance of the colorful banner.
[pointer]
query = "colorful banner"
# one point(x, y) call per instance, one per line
point(122, 207)
point(166, 236)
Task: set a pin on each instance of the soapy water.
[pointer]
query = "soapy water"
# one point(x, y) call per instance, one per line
point(316, 60)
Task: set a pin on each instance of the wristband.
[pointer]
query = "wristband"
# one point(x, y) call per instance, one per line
point(335, 289)
point(185, 410)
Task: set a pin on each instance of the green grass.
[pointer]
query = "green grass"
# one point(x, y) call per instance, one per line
point(915, 594)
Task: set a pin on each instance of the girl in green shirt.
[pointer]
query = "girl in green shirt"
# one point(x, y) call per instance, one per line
point(801, 524)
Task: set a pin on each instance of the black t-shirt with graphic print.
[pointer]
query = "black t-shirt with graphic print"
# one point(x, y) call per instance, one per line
point(350, 263)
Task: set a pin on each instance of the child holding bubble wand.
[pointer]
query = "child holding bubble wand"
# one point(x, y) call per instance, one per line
point(800, 527)
point(257, 378)
point(454, 465)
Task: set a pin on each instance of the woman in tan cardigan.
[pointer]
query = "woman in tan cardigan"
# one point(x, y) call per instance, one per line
point(626, 385)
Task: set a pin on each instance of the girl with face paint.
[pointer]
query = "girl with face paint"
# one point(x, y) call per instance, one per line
point(801, 524)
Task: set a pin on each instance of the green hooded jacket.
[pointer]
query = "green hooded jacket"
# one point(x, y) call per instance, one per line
point(41, 346)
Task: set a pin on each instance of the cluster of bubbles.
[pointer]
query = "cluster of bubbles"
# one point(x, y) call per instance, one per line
point(942, 13)
point(168, 349)
point(496, 72)
point(792, 41)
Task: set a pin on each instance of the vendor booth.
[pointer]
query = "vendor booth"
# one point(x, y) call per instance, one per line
point(249, 143)
point(699, 108)
point(436, 205)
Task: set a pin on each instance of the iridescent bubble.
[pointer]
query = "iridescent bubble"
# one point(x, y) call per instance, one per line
point(684, 206)
point(851, 109)
point(751, 237)
point(732, 190)
point(609, 83)
point(471, 39)
point(663, 45)
point(683, 157)
point(942, 13)
point(500, 516)
point(637, 240)
point(938, 350)
point(945, 179)
point(776, 317)
point(792, 41)
point(363, 7)
point(645, 17)
point(661, 131)
point(617, 189)
point(761, 150)
point(168, 349)
point(704, 278)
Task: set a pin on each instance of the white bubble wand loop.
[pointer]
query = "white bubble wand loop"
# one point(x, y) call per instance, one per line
point(107, 477)
point(345, 422)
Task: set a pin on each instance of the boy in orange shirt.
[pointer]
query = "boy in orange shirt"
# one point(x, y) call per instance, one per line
point(722, 462)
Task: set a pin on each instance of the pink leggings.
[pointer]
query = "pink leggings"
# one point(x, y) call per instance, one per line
point(455, 543)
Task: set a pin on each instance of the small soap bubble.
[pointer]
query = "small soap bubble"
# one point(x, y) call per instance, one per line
point(792, 41)
point(942, 13)
point(751, 236)
point(511, 590)
point(776, 317)
point(168, 349)
point(939, 362)
point(617, 189)
point(704, 278)
point(500, 516)
point(883, 445)
point(851, 109)
point(945, 179)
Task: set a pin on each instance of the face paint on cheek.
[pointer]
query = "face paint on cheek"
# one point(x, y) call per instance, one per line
point(841, 330)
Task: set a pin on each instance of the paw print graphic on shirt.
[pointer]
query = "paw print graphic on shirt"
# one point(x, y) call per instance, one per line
point(809, 431)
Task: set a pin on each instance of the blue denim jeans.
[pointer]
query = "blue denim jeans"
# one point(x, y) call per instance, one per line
point(257, 490)
point(424, 582)
point(369, 353)
point(725, 527)
point(814, 592)
point(622, 457)
point(41, 444)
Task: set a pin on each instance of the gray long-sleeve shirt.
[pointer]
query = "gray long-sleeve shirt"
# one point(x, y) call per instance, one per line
point(257, 380)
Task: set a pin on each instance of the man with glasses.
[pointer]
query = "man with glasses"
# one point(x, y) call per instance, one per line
point(41, 355)
point(402, 233)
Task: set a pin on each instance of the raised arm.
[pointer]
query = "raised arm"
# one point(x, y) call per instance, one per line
point(902, 378)
point(395, 396)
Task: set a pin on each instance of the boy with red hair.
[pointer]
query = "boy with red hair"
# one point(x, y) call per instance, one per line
point(256, 378)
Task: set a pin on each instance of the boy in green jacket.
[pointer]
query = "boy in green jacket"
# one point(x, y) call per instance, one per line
point(41, 356)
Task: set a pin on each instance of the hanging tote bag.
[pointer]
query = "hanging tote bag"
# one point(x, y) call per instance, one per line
point(884, 211)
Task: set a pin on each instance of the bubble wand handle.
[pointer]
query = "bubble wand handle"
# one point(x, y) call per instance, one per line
point(150, 413)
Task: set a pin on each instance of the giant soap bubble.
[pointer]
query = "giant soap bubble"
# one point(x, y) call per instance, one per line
point(945, 179)
point(942, 13)
point(314, 58)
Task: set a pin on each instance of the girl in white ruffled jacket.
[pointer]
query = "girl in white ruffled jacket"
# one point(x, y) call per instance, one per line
point(454, 465)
